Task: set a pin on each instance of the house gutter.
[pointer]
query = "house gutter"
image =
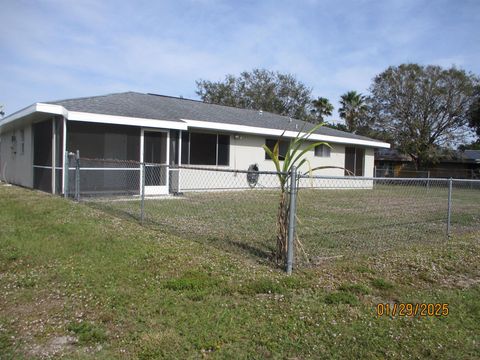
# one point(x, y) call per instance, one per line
point(278, 133)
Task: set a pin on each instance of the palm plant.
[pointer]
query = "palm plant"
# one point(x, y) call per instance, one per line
point(322, 107)
point(353, 106)
point(295, 156)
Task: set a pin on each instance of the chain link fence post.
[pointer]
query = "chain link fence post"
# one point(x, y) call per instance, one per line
point(449, 214)
point(77, 175)
point(142, 193)
point(291, 220)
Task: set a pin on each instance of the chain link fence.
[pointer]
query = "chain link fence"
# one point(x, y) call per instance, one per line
point(236, 210)
point(453, 172)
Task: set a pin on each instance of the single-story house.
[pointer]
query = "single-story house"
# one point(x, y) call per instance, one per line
point(455, 164)
point(159, 129)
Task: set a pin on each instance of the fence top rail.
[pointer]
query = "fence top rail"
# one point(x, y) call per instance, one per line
point(173, 167)
point(138, 164)
point(392, 179)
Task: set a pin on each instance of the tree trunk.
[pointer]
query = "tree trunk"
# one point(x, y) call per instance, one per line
point(282, 229)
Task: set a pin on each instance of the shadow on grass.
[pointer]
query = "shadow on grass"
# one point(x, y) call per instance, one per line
point(120, 213)
point(260, 254)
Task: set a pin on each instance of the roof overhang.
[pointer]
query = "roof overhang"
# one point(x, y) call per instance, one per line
point(91, 117)
point(277, 133)
point(184, 124)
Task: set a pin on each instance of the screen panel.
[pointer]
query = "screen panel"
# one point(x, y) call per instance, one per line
point(349, 161)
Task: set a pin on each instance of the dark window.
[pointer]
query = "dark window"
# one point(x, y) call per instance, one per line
point(354, 160)
point(282, 148)
point(205, 149)
point(223, 149)
point(22, 142)
point(322, 151)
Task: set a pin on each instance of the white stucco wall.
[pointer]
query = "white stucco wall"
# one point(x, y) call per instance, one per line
point(15, 166)
point(248, 150)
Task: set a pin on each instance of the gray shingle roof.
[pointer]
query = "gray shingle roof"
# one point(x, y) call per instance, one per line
point(162, 107)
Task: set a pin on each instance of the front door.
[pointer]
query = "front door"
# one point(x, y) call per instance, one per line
point(155, 154)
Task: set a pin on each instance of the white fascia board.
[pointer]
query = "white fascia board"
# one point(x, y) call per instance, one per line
point(125, 120)
point(51, 109)
point(19, 114)
point(93, 117)
point(276, 132)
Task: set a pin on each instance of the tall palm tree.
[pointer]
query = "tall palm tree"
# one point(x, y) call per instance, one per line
point(353, 106)
point(321, 107)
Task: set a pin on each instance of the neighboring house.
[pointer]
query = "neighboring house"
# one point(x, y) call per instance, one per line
point(458, 164)
point(159, 129)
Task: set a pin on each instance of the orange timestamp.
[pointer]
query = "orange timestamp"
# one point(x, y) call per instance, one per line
point(412, 309)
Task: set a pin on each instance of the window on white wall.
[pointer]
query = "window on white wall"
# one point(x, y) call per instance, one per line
point(13, 146)
point(322, 151)
point(282, 148)
point(205, 149)
point(22, 142)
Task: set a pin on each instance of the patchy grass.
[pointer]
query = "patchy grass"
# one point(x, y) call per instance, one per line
point(330, 222)
point(87, 332)
point(79, 283)
point(383, 284)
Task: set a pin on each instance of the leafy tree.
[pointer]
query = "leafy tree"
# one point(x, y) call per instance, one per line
point(424, 108)
point(472, 146)
point(260, 89)
point(352, 110)
point(474, 112)
point(1, 110)
point(321, 107)
point(337, 126)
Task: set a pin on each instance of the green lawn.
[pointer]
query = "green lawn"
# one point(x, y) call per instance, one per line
point(330, 222)
point(78, 282)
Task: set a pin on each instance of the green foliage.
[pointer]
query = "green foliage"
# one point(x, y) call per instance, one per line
point(352, 110)
point(382, 284)
point(475, 145)
point(341, 297)
point(259, 89)
point(192, 280)
point(272, 286)
point(87, 332)
point(294, 157)
point(423, 107)
point(321, 108)
point(473, 113)
point(358, 289)
point(337, 126)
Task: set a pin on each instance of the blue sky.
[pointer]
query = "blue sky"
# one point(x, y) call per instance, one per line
point(61, 49)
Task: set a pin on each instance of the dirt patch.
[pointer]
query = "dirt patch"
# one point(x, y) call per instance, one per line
point(55, 346)
point(460, 282)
